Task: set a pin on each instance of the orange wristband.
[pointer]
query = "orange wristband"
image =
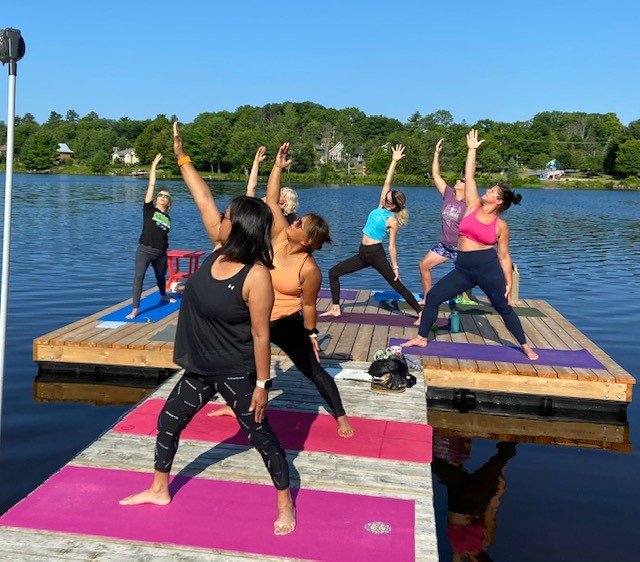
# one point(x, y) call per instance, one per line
point(183, 160)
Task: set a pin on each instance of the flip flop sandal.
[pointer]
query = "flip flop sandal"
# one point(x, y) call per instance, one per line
point(388, 383)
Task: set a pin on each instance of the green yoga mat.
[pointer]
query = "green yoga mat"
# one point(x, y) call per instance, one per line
point(473, 309)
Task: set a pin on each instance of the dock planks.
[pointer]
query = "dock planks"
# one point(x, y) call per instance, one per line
point(312, 470)
point(141, 346)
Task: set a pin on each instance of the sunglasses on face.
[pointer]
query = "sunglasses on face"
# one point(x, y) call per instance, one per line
point(164, 196)
point(297, 223)
point(461, 180)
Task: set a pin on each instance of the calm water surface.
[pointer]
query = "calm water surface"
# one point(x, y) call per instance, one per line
point(73, 245)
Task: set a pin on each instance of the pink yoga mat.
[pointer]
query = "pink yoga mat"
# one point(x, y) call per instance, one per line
point(299, 431)
point(217, 514)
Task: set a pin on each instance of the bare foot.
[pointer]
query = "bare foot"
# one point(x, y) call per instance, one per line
point(532, 355)
point(147, 496)
point(224, 411)
point(418, 341)
point(417, 322)
point(286, 521)
point(132, 314)
point(344, 427)
point(333, 311)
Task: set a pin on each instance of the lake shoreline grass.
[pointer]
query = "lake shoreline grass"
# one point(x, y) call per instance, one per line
point(340, 178)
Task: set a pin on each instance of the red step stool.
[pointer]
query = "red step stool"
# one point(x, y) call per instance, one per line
point(175, 273)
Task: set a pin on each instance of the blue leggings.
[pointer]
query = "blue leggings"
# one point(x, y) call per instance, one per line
point(482, 269)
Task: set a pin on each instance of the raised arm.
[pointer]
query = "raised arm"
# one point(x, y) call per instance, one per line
point(152, 179)
point(470, 188)
point(435, 169)
point(199, 189)
point(397, 154)
point(272, 199)
point(253, 176)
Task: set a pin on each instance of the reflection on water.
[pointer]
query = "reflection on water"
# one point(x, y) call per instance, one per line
point(473, 496)
point(73, 245)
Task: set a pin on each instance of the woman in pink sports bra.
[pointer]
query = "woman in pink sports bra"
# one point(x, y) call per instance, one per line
point(479, 262)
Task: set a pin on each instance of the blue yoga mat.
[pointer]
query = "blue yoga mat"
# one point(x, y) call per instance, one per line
point(391, 295)
point(152, 309)
point(579, 358)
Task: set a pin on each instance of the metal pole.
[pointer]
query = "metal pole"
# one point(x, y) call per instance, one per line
point(6, 234)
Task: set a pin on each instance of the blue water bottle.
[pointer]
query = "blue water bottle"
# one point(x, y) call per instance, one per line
point(454, 320)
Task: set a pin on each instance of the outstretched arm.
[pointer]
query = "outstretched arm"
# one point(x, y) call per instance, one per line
point(311, 280)
point(470, 188)
point(199, 190)
point(397, 154)
point(505, 257)
point(281, 162)
point(152, 179)
point(435, 169)
point(253, 176)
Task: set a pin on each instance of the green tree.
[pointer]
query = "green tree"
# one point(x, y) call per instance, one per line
point(242, 147)
point(156, 137)
point(628, 158)
point(489, 160)
point(512, 169)
point(91, 141)
point(304, 157)
point(208, 138)
point(100, 161)
point(72, 116)
point(39, 151)
point(379, 162)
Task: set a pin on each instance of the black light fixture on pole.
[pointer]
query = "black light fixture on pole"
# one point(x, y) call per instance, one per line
point(12, 49)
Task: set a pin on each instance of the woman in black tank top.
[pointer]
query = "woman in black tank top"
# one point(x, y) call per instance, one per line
point(222, 339)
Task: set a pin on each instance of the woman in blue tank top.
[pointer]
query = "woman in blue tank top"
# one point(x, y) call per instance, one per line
point(390, 215)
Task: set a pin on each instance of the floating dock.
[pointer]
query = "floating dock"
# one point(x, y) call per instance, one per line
point(468, 366)
point(365, 498)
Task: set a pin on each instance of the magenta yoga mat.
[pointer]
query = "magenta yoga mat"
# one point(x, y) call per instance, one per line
point(380, 320)
point(218, 514)
point(580, 358)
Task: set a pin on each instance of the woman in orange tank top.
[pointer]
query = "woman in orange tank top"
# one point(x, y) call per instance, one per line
point(296, 281)
point(483, 255)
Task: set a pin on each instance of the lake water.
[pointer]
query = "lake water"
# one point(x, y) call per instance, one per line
point(73, 245)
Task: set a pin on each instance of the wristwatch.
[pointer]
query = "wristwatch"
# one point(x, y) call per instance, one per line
point(266, 384)
point(312, 331)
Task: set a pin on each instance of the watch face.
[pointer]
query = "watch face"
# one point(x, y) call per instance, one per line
point(268, 384)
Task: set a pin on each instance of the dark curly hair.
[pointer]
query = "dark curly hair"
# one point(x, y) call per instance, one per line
point(508, 197)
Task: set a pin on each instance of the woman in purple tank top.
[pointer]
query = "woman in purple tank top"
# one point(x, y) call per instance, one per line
point(453, 209)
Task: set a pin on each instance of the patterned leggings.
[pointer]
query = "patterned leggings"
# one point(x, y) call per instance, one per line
point(191, 393)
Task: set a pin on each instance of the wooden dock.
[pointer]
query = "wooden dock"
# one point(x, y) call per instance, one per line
point(86, 345)
point(393, 471)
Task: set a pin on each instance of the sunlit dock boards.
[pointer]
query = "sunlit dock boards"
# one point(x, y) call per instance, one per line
point(368, 325)
point(369, 498)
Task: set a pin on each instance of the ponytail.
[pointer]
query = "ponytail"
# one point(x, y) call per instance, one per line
point(400, 203)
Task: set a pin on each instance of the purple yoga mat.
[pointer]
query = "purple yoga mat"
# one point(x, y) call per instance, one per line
point(380, 320)
point(580, 359)
point(346, 294)
point(217, 514)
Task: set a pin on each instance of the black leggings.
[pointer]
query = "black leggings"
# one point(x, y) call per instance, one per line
point(191, 393)
point(146, 255)
point(480, 268)
point(369, 256)
point(289, 334)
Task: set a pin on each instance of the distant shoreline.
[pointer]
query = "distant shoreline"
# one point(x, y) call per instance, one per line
point(313, 178)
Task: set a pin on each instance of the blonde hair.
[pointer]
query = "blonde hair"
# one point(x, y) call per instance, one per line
point(400, 199)
point(169, 200)
point(290, 200)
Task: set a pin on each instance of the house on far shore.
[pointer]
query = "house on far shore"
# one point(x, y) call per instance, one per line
point(64, 152)
point(127, 156)
point(3, 152)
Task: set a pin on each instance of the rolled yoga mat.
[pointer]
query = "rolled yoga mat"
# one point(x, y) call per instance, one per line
point(346, 294)
point(219, 515)
point(152, 308)
point(580, 359)
point(298, 431)
point(379, 320)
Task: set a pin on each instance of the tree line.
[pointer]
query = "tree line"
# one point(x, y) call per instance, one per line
point(224, 141)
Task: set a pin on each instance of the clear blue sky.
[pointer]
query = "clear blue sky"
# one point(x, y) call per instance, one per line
point(482, 59)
